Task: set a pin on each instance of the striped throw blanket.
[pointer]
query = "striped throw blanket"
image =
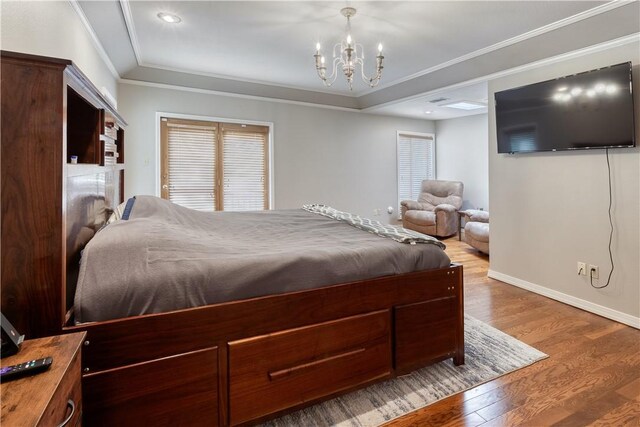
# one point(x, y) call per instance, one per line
point(399, 234)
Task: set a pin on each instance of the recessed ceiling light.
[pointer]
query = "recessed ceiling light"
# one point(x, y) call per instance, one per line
point(168, 17)
point(428, 112)
point(465, 105)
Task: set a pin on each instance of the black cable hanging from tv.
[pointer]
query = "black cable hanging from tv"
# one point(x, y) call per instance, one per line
point(610, 232)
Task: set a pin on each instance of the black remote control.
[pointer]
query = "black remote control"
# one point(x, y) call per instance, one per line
point(24, 369)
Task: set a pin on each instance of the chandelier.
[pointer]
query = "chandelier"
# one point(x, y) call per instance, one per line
point(347, 55)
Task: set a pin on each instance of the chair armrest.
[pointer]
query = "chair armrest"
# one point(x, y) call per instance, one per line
point(445, 207)
point(477, 216)
point(412, 205)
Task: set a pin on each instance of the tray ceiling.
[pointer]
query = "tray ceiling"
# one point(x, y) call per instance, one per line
point(265, 48)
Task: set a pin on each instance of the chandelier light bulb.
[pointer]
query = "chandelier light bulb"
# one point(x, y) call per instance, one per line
point(348, 38)
point(380, 47)
point(318, 46)
point(322, 60)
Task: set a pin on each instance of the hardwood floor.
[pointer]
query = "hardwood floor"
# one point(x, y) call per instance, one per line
point(591, 378)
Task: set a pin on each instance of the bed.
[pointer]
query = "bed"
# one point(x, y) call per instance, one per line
point(229, 362)
point(320, 309)
point(162, 257)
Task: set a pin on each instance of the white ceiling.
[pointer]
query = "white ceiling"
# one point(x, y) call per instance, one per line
point(265, 49)
point(273, 42)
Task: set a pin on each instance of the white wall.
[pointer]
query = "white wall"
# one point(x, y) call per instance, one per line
point(549, 210)
point(340, 158)
point(52, 28)
point(462, 155)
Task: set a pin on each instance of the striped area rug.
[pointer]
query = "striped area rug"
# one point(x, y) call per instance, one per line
point(489, 353)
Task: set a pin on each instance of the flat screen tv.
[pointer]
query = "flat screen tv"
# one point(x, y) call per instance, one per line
point(588, 110)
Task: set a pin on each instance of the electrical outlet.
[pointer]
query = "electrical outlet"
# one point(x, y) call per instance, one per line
point(594, 271)
point(582, 269)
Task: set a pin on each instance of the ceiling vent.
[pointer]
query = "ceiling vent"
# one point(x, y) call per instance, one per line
point(435, 101)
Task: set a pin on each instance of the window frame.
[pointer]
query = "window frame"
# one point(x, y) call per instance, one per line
point(425, 135)
point(179, 116)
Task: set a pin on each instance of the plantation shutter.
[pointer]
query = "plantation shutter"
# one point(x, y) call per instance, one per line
point(211, 166)
point(189, 175)
point(245, 173)
point(416, 162)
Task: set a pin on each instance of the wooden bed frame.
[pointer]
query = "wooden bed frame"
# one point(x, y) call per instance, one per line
point(232, 363)
point(248, 360)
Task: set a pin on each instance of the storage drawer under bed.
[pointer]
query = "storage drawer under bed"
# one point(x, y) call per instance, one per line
point(424, 333)
point(277, 371)
point(175, 390)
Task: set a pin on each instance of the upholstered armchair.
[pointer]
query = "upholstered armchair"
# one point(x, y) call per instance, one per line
point(476, 230)
point(435, 211)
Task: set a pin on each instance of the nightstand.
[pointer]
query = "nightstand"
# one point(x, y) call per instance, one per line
point(51, 398)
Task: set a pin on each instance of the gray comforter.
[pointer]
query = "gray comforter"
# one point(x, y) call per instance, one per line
point(166, 257)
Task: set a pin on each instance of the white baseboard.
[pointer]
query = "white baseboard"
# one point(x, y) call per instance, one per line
point(600, 310)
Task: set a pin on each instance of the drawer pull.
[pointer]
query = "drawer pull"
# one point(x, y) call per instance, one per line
point(288, 371)
point(70, 404)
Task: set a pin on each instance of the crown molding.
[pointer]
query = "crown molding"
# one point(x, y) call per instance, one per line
point(94, 38)
point(632, 38)
point(517, 39)
point(243, 80)
point(235, 95)
point(131, 29)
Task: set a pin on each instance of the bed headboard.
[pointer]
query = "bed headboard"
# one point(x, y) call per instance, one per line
point(51, 208)
point(90, 200)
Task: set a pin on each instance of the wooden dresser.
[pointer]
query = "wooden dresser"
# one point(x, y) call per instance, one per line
point(51, 398)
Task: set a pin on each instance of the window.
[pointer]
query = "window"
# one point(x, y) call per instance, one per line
point(212, 166)
point(416, 162)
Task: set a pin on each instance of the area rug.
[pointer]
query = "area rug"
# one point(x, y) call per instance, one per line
point(489, 353)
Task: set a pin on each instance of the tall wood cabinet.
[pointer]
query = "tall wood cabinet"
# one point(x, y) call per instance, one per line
point(51, 112)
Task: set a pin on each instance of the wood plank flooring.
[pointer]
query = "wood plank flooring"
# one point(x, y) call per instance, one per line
point(592, 377)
